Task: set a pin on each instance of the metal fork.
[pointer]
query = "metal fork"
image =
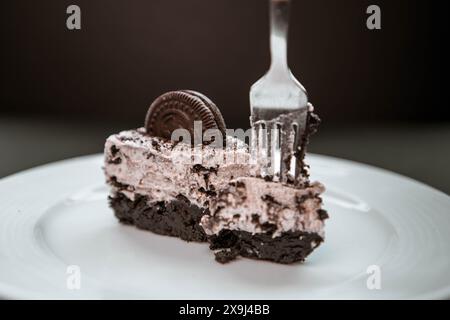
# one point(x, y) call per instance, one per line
point(279, 105)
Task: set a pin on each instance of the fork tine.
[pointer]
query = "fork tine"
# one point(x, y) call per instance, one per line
point(269, 148)
point(286, 154)
point(298, 156)
point(276, 151)
point(257, 145)
point(264, 149)
point(254, 142)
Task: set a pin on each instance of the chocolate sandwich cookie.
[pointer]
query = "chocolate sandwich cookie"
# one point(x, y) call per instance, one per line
point(179, 110)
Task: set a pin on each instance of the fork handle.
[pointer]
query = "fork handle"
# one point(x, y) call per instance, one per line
point(279, 20)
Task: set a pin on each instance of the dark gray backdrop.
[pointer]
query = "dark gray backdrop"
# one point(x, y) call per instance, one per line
point(129, 52)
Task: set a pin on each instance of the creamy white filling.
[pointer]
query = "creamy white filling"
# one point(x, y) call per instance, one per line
point(161, 171)
point(151, 167)
point(244, 208)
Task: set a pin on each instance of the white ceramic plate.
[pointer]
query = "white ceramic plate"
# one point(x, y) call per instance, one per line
point(57, 216)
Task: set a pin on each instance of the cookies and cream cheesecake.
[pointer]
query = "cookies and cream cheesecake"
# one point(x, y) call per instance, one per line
point(208, 191)
point(156, 186)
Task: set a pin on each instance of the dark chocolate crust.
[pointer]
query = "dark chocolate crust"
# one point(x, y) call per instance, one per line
point(289, 247)
point(177, 218)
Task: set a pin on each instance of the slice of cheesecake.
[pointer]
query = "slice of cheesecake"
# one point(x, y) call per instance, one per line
point(209, 192)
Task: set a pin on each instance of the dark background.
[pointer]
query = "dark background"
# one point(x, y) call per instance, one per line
point(382, 94)
point(129, 52)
